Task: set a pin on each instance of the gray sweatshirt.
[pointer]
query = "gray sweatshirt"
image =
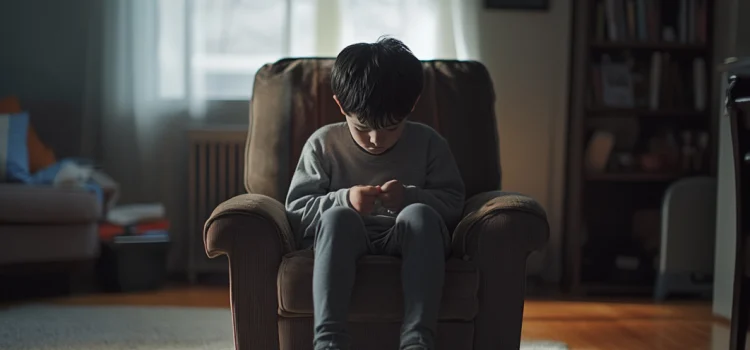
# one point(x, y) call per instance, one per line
point(331, 163)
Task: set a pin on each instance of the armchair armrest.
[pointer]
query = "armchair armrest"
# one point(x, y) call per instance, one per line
point(483, 207)
point(498, 232)
point(253, 231)
point(259, 208)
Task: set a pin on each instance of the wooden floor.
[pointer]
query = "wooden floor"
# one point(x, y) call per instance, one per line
point(606, 325)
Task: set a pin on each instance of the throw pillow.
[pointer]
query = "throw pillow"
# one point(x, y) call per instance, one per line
point(40, 156)
point(9, 105)
point(14, 155)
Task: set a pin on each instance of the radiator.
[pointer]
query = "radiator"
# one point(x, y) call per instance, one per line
point(215, 173)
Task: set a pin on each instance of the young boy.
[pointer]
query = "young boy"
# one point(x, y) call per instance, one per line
point(376, 184)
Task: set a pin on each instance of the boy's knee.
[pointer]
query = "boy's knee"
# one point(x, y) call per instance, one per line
point(340, 216)
point(421, 213)
point(423, 226)
point(340, 225)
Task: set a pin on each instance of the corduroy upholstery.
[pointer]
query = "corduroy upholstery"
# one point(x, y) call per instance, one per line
point(271, 277)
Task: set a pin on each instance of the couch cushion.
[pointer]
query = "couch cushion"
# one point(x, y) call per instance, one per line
point(32, 204)
point(377, 292)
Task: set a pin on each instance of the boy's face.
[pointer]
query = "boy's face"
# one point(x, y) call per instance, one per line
point(374, 141)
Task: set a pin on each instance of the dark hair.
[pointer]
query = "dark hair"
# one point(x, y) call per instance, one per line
point(377, 83)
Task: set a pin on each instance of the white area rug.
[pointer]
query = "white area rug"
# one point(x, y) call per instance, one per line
point(56, 327)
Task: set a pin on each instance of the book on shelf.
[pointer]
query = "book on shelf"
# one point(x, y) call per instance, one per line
point(662, 82)
point(616, 84)
point(674, 21)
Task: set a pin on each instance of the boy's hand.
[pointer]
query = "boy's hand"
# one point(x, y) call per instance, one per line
point(392, 195)
point(363, 198)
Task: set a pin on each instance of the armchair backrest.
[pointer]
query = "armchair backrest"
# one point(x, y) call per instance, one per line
point(292, 98)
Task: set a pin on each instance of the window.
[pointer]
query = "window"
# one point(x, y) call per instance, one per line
point(413, 21)
point(211, 49)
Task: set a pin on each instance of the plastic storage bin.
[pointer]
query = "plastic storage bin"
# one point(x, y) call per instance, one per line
point(133, 262)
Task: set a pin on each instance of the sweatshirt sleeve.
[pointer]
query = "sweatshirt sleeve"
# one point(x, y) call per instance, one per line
point(443, 189)
point(309, 192)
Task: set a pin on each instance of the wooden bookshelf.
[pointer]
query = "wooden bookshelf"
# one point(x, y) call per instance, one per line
point(640, 73)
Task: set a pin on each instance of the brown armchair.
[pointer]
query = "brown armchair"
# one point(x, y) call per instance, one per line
point(271, 277)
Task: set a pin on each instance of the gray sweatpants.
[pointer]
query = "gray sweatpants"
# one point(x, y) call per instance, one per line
point(419, 238)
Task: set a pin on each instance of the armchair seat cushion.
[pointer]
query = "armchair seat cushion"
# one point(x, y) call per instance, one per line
point(377, 294)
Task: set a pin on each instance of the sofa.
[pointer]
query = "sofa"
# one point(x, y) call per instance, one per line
point(271, 273)
point(47, 224)
point(46, 229)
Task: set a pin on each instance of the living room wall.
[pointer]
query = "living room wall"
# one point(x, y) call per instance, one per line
point(42, 61)
point(528, 56)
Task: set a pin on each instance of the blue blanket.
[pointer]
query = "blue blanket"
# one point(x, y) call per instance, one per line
point(47, 176)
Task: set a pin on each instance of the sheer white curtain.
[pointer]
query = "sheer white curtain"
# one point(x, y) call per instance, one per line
point(210, 49)
point(155, 65)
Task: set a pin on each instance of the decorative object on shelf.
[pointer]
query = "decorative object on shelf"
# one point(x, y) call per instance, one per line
point(599, 151)
point(517, 4)
point(663, 153)
point(624, 163)
point(651, 163)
